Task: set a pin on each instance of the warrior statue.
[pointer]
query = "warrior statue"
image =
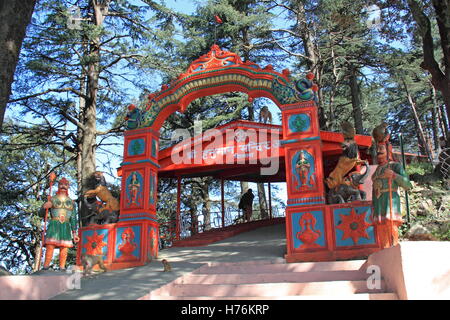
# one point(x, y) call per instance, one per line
point(387, 178)
point(61, 231)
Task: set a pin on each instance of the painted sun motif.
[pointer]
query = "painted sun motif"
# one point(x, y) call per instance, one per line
point(95, 244)
point(354, 226)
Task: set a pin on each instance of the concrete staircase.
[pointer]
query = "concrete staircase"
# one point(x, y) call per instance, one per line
point(274, 280)
point(217, 234)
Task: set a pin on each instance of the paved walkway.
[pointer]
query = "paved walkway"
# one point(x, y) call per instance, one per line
point(266, 243)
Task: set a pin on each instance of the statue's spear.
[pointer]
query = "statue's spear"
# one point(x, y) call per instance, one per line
point(52, 178)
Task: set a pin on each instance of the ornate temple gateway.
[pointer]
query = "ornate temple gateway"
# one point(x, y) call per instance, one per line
point(315, 230)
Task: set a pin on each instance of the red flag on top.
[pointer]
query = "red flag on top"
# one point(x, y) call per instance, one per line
point(218, 20)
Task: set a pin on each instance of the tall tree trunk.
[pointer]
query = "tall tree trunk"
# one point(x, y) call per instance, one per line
point(356, 100)
point(313, 61)
point(37, 256)
point(440, 78)
point(262, 201)
point(79, 150)
point(331, 110)
point(206, 209)
point(436, 119)
point(444, 122)
point(15, 15)
point(251, 117)
point(193, 215)
point(420, 142)
point(435, 129)
point(246, 56)
point(89, 144)
point(420, 132)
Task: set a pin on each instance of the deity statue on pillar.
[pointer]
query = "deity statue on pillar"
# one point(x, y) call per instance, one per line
point(387, 179)
point(62, 227)
point(134, 188)
point(304, 169)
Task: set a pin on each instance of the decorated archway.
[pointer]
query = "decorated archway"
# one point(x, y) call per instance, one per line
point(221, 71)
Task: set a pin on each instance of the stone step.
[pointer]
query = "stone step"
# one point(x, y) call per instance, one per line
point(337, 288)
point(262, 267)
point(358, 296)
point(243, 278)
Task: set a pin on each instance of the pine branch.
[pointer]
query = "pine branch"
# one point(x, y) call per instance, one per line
point(72, 120)
point(290, 52)
point(120, 58)
point(67, 89)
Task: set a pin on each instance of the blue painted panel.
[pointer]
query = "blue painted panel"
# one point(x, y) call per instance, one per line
point(367, 211)
point(153, 187)
point(136, 147)
point(318, 227)
point(131, 240)
point(153, 245)
point(299, 122)
point(154, 148)
point(101, 234)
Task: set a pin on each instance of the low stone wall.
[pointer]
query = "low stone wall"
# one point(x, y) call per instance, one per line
point(33, 287)
point(416, 270)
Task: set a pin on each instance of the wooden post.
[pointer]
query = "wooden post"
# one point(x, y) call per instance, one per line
point(402, 148)
point(270, 202)
point(222, 187)
point(177, 221)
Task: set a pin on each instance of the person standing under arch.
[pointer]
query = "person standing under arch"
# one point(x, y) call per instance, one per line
point(246, 204)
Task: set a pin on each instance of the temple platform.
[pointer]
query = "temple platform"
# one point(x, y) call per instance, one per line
point(217, 234)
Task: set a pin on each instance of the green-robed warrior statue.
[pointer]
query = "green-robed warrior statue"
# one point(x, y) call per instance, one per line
point(387, 178)
point(62, 226)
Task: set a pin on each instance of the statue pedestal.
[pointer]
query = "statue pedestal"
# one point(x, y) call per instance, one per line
point(125, 244)
point(330, 232)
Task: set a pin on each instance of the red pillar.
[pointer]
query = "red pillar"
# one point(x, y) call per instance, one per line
point(222, 187)
point(177, 220)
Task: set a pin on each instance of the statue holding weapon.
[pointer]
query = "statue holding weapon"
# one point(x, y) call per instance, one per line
point(61, 232)
point(387, 178)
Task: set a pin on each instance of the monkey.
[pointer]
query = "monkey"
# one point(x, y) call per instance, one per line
point(108, 211)
point(265, 115)
point(167, 266)
point(88, 262)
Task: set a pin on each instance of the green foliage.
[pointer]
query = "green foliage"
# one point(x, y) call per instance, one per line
point(25, 163)
point(442, 236)
point(421, 168)
point(428, 207)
